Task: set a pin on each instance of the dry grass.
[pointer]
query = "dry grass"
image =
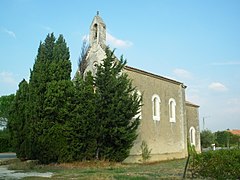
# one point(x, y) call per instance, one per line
point(100, 170)
point(9, 161)
point(89, 164)
point(108, 170)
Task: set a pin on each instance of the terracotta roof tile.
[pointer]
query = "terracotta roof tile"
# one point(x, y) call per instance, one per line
point(235, 131)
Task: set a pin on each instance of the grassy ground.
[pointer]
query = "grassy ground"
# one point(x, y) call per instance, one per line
point(106, 170)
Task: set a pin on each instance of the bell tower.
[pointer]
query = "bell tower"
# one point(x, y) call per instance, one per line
point(97, 31)
point(97, 44)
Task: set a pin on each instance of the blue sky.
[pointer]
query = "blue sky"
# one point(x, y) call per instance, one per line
point(192, 41)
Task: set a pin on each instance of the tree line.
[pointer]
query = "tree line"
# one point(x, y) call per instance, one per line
point(219, 138)
point(55, 119)
point(5, 104)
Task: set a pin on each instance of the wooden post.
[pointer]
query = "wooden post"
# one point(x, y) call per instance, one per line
point(186, 165)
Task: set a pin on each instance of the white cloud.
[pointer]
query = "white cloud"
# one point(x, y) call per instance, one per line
point(217, 86)
point(10, 33)
point(118, 42)
point(7, 78)
point(182, 73)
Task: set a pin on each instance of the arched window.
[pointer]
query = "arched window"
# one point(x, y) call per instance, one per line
point(156, 107)
point(94, 68)
point(139, 114)
point(172, 110)
point(95, 31)
point(192, 133)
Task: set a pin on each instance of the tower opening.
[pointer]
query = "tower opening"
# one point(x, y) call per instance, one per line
point(95, 31)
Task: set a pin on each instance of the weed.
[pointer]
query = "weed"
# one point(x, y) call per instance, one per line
point(145, 151)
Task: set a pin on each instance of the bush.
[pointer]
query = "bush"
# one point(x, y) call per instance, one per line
point(5, 145)
point(221, 164)
point(146, 152)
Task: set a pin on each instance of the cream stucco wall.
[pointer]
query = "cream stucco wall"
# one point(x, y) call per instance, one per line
point(193, 121)
point(166, 139)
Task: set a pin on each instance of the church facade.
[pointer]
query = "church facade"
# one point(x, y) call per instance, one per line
point(167, 121)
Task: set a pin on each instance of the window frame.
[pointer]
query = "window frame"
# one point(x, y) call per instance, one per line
point(192, 136)
point(172, 110)
point(95, 27)
point(156, 107)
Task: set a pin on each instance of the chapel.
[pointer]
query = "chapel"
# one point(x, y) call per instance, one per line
point(168, 121)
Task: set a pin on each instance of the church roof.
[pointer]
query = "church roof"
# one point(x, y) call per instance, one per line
point(98, 19)
point(154, 75)
point(192, 104)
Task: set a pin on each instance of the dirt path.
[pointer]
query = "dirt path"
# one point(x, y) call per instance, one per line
point(12, 174)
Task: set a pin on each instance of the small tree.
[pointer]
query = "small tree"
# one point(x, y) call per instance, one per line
point(146, 152)
point(117, 103)
point(5, 145)
point(207, 138)
point(5, 105)
point(18, 121)
point(226, 139)
point(222, 138)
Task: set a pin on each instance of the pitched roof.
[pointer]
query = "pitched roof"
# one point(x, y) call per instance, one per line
point(235, 132)
point(98, 19)
point(153, 75)
point(191, 104)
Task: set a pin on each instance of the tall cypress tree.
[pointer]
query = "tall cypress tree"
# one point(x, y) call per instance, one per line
point(61, 66)
point(50, 98)
point(58, 107)
point(41, 109)
point(117, 104)
point(82, 127)
point(39, 77)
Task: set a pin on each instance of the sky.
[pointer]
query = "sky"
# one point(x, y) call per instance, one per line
point(196, 42)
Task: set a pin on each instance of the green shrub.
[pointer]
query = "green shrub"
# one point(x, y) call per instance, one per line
point(5, 145)
point(145, 151)
point(221, 164)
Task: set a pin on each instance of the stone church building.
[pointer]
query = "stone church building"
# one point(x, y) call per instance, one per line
point(168, 121)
